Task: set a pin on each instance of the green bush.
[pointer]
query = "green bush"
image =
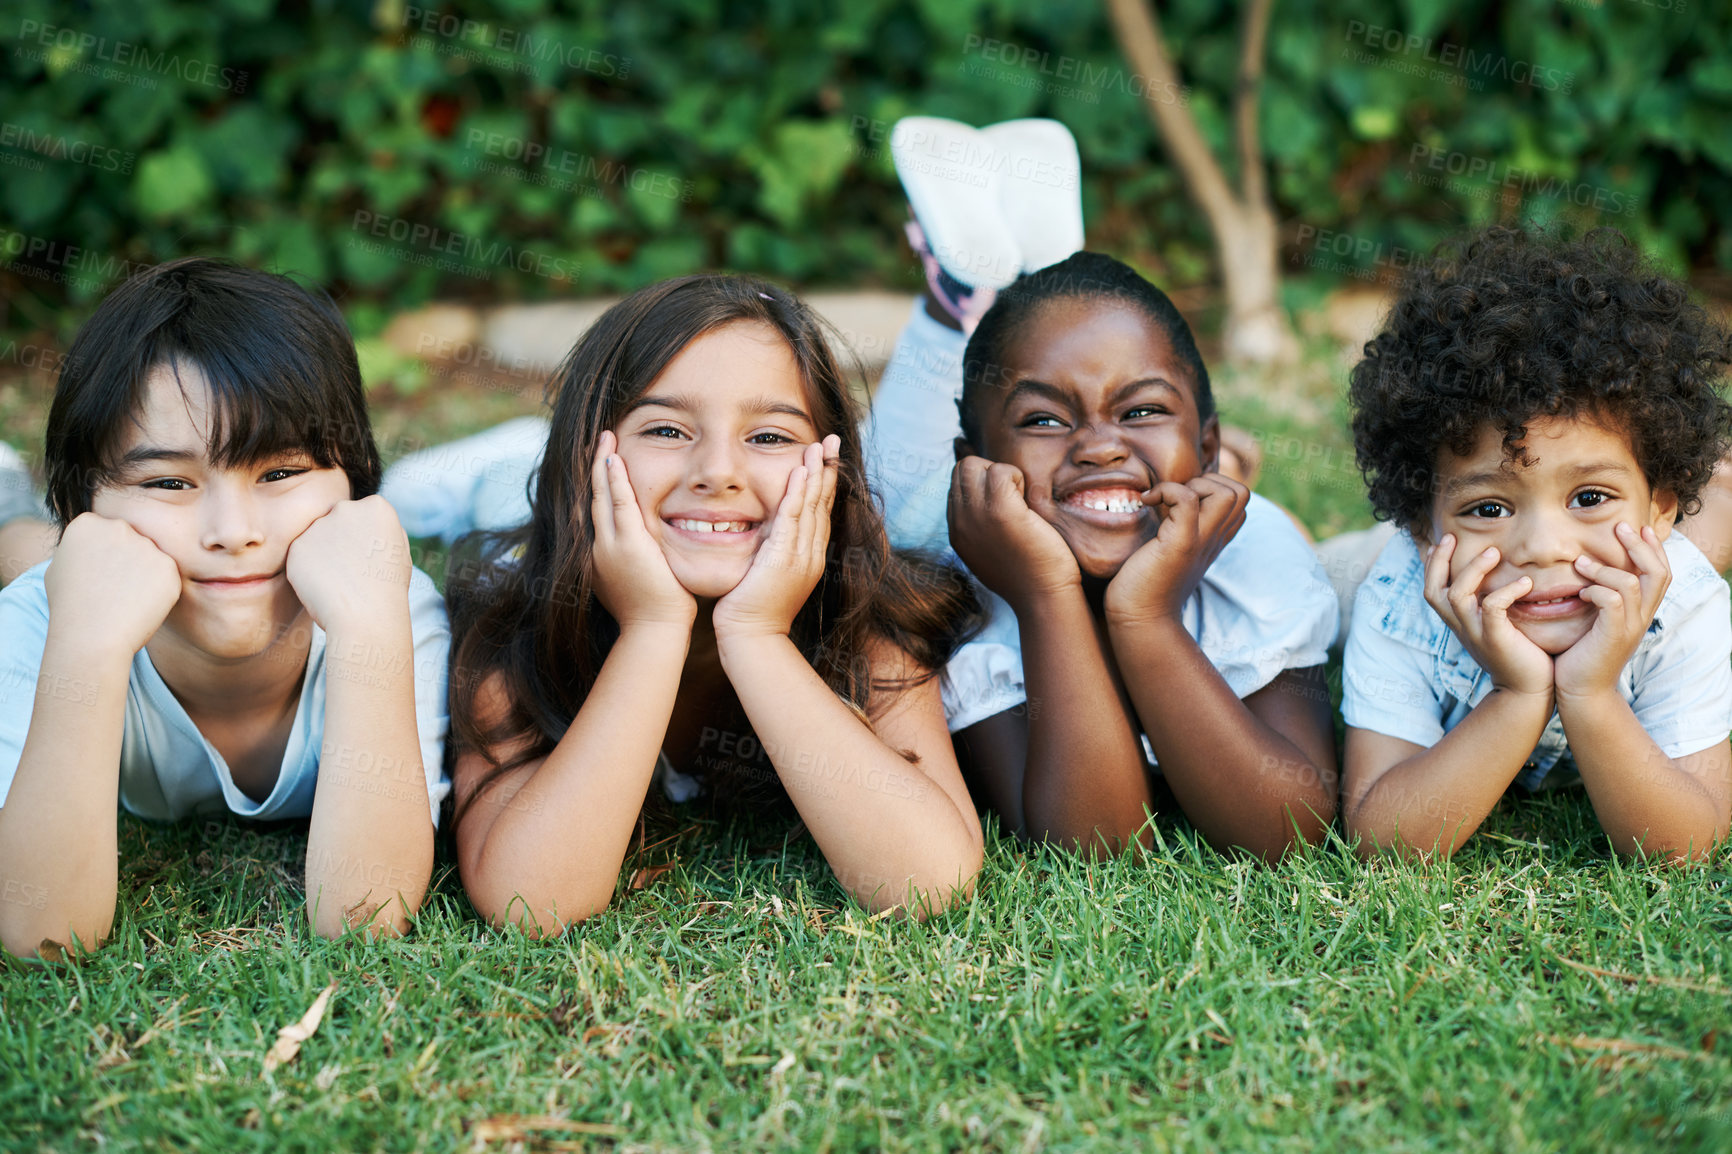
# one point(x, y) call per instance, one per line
point(523, 148)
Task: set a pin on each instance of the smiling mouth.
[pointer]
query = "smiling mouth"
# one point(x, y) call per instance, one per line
point(1563, 606)
point(1117, 502)
point(734, 528)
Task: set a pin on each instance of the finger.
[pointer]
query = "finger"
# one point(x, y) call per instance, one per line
point(1183, 511)
point(785, 528)
point(1437, 560)
point(832, 474)
point(1625, 585)
point(1463, 592)
point(1220, 500)
point(1610, 576)
point(1657, 578)
point(810, 493)
point(1648, 558)
point(601, 494)
point(968, 484)
point(1645, 557)
point(1606, 599)
point(1004, 490)
point(1499, 601)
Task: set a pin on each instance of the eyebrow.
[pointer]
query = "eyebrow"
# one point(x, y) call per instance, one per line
point(755, 406)
point(144, 454)
point(1029, 386)
point(1590, 468)
point(1585, 469)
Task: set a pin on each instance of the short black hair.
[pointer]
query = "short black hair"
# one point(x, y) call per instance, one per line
point(1506, 325)
point(1081, 276)
point(279, 360)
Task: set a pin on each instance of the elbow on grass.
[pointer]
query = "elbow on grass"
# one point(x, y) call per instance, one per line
point(913, 897)
point(537, 920)
point(37, 942)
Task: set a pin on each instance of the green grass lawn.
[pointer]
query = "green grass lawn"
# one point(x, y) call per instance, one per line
point(1534, 994)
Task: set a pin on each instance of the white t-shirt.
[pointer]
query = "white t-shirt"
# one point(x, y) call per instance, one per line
point(1265, 605)
point(168, 770)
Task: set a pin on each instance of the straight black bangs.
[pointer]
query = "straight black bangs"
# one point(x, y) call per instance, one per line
point(277, 359)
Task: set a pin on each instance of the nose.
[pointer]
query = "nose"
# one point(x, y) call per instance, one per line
point(1098, 446)
point(1543, 537)
point(229, 516)
point(715, 466)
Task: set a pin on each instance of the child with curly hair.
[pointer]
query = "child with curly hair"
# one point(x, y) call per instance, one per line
point(1535, 416)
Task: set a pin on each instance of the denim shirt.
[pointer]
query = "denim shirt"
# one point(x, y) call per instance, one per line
point(1263, 606)
point(1407, 675)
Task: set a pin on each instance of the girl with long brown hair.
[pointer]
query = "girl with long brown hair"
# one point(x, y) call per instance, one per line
point(703, 572)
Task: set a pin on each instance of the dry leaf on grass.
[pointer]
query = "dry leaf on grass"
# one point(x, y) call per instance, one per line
point(1648, 979)
point(644, 877)
point(289, 1038)
point(518, 1127)
point(1621, 1047)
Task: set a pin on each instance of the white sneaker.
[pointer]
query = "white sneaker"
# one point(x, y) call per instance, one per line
point(1041, 192)
point(952, 175)
point(989, 204)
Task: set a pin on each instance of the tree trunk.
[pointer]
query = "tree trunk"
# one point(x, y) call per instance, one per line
point(1242, 220)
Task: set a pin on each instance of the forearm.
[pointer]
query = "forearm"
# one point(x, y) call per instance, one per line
point(1645, 801)
point(1435, 800)
point(891, 834)
point(1239, 781)
point(59, 867)
point(370, 842)
point(1085, 782)
point(553, 853)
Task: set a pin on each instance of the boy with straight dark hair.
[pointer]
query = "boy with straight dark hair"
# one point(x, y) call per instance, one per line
point(230, 620)
point(1535, 416)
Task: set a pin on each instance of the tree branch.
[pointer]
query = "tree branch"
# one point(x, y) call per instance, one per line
point(1246, 95)
point(1139, 34)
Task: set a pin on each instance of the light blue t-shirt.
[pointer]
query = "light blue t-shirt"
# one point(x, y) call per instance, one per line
point(168, 770)
point(1407, 675)
point(1264, 606)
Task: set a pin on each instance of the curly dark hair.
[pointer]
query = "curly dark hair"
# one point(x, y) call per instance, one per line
point(1507, 325)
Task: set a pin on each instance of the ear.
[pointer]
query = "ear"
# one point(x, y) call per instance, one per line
point(1209, 444)
point(1420, 530)
point(1664, 505)
point(964, 448)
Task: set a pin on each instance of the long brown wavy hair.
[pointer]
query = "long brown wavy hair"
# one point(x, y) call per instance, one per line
point(523, 602)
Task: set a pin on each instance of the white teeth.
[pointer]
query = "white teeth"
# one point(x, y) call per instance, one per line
point(1113, 506)
point(712, 526)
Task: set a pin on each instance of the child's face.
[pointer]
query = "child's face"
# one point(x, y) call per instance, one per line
point(1584, 480)
point(227, 530)
point(1096, 409)
point(709, 448)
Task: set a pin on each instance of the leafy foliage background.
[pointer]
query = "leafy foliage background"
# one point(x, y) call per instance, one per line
point(765, 127)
